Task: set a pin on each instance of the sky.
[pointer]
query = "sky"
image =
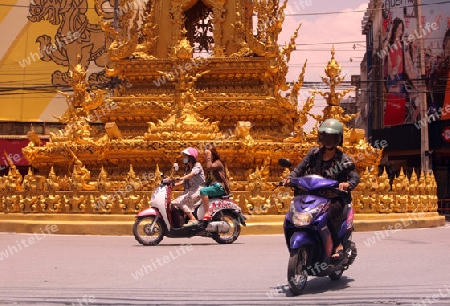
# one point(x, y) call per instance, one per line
point(318, 34)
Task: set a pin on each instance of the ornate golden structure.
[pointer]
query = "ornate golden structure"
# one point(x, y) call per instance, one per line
point(193, 72)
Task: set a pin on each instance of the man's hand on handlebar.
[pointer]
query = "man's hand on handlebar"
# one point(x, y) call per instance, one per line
point(285, 182)
point(344, 186)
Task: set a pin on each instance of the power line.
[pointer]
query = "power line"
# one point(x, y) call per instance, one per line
point(360, 11)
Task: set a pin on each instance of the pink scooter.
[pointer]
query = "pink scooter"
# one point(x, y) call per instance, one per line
point(161, 219)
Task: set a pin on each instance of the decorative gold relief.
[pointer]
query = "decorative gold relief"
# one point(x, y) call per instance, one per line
point(423, 201)
point(401, 189)
point(168, 96)
point(368, 198)
point(282, 201)
point(14, 179)
point(385, 197)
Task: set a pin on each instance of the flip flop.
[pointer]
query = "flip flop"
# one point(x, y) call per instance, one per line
point(191, 223)
point(206, 218)
point(340, 253)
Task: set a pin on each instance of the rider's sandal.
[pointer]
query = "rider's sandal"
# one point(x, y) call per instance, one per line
point(206, 218)
point(191, 223)
point(340, 253)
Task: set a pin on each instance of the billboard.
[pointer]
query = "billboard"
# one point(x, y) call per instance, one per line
point(403, 31)
point(40, 41)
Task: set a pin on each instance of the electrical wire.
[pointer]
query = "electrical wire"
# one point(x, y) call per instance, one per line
point(361, 11)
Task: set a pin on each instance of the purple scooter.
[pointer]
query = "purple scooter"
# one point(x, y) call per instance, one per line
point(307, 235)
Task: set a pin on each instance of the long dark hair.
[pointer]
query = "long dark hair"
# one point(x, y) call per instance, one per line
point(393, 45)
point(444, 45)
point(395, 24)
point(215, 156)
point(446, 39)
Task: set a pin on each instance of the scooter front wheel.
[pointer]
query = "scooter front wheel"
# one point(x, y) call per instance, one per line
point(149, 230)
point(336, 275)
point(297, 275)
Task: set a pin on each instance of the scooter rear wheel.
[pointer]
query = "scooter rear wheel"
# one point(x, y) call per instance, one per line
point(297, 275)
point(148, 231)
point(235, 228)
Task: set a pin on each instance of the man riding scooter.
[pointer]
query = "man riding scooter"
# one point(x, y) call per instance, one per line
point(330, 162)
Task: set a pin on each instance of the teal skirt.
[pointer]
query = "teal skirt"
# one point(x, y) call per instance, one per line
point(213, 190)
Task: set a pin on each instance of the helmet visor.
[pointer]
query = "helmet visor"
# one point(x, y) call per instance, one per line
point(330, 140)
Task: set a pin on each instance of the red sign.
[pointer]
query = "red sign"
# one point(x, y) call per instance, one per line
point(446, 134)
point(13, 148)
point(395, 110)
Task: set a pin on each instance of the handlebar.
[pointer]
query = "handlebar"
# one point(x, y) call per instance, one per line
point(285, 184)
point(168, 181)
point(336, 189)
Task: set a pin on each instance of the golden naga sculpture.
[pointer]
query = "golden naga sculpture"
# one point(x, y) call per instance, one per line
point(80, 102)
point(193, 81)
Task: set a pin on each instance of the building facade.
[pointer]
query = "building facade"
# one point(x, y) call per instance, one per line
point(405, 84)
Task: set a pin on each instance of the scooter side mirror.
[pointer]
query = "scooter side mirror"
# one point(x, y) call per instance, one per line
point(176, 167)
point(285, 163)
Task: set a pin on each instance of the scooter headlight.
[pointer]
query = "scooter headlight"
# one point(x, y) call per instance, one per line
point(304, 218)
point(301, 218)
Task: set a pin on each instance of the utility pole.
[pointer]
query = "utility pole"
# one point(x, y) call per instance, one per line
point(424, 141)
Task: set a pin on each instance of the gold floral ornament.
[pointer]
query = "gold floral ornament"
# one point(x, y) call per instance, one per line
point(188, 125)
point(184, 49)
point(257, 202)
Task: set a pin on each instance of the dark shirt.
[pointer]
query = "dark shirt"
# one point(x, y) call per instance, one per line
point(340, 168)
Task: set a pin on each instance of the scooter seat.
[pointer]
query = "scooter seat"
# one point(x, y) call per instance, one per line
point(225, 196)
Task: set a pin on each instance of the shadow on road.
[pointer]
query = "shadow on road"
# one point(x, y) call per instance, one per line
point(193, 244)
point(318, 285)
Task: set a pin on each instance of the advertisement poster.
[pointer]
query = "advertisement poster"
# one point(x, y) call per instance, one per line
point(402, 33)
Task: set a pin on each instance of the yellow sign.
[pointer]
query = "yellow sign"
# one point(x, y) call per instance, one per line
point(40, 41)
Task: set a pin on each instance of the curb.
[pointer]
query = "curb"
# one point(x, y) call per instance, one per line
point(85, 224)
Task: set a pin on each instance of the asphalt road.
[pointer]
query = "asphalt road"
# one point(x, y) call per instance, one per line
point(406, 267)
